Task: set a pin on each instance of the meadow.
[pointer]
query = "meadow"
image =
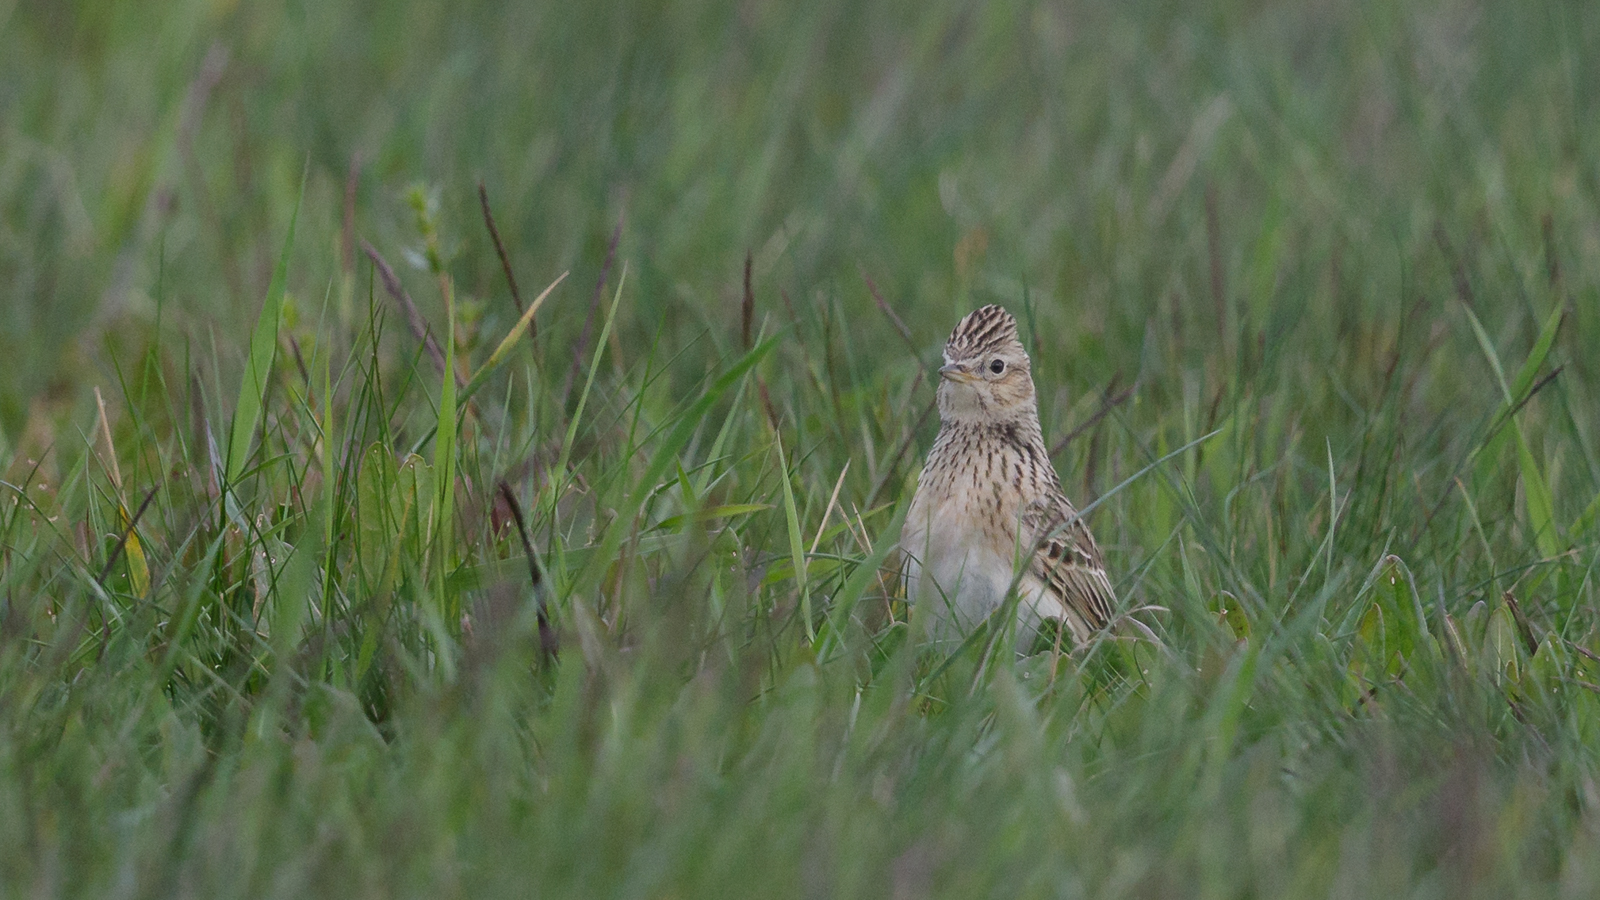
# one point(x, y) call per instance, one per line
point(457, 450)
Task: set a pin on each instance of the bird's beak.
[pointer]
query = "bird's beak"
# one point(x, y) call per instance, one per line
point(956, 373)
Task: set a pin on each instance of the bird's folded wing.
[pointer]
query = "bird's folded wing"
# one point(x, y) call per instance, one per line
point(1068, 561)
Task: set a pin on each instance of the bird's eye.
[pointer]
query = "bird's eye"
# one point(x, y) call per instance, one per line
point(997, 366)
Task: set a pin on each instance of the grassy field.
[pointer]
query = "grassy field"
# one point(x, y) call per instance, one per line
point(1313, 294)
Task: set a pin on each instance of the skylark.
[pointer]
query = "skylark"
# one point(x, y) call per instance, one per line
point(989, 509)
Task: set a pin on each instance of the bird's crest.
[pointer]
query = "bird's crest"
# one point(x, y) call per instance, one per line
point(985, 329)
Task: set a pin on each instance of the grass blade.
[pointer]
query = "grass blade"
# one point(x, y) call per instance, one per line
point(1540, 501)
point(444, 466)
point(796, 541)
point(1536, 357)
point(263, 346)
point(501, 351)
point(588, 383)
point(1487, 346)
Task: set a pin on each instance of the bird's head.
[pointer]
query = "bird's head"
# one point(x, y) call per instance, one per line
point(985, 378)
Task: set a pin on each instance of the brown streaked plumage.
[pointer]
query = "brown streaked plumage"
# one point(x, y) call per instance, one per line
point(989, 504)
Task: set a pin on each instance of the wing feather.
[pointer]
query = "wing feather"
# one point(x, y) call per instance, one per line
point(1068, 561)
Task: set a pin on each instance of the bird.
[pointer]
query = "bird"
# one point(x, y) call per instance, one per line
point(989, 510)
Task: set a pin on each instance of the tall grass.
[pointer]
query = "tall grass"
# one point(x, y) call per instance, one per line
point(268, 623)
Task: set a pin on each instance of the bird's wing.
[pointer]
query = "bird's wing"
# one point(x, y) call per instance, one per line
point(1067, 559)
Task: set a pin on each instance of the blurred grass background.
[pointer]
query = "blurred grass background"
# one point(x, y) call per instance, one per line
point(1359, 241)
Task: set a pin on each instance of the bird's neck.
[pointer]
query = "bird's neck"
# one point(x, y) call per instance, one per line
point(1020, 434)
point(1023, 421)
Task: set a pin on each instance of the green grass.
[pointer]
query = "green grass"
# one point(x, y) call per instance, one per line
point(1360, 242)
